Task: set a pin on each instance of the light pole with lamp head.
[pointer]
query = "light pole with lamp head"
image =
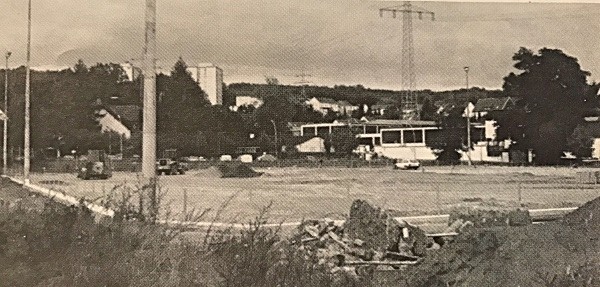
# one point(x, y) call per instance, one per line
point(5, 135)
point(275, 131)
point(468, 114)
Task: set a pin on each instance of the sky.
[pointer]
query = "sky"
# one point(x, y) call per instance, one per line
point(336, 42)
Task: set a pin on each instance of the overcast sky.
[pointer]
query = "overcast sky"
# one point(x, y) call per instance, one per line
point(335, 41)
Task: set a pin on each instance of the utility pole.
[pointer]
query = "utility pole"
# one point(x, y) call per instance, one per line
point(303, 81)
point(276, 141)
point(5, 135)
point(26, 144)
point(149, 106)
point(468, 113)
point(409, 97)
point(120, 140)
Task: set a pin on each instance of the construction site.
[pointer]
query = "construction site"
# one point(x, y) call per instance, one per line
point(430, 205)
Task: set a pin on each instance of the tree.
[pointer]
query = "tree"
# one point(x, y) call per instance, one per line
point(555, 96)
point(428, 110)
point(580, 142)
point(450, 138)
point(343, 141)
point(272, 81)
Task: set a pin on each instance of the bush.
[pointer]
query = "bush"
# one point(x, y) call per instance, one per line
point(63, 246)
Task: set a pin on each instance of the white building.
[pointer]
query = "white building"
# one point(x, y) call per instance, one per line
point(327, 105)
point(248, 101)
point(109, 123)
point(313, 145)
point(210, 78)
point(132, 72)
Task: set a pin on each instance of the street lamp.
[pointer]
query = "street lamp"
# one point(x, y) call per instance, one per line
point(467, 76)
point(275, 131)
point(468, 113)
point(5, 135)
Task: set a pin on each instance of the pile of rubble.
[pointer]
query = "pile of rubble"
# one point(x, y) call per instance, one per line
point(489, 217)
point(369, 238)
point(237, 170)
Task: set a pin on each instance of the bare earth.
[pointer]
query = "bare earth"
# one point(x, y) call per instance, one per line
point(298, 193)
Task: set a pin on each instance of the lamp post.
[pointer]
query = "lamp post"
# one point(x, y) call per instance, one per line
point(275, 131)
point(5, 135)
point(468, 112)
point(26, 144)
point(120, 139)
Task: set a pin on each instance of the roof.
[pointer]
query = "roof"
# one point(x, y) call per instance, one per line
point(295, 124)
point(381, 106)
point(345, 103)
point(351, 121)
point(404, 123)
point(128, 114)
point(493, 104)
point(326, 100)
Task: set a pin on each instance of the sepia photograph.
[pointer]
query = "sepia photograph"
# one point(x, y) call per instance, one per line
point(293, 143)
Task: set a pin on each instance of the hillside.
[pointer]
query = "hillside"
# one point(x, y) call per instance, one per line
point(355, 94)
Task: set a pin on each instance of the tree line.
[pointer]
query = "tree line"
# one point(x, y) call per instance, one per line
point(553, 91)
point(553, 98)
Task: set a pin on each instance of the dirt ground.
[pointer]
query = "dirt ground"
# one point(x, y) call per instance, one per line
point(12, 194)
point(300, 193)
point(563, 253)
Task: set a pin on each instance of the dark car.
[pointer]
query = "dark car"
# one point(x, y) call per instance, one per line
point(170, 167)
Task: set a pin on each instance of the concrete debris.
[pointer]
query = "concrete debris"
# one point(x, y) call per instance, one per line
point(369, 238)
point(380, 231)
point(482, 217)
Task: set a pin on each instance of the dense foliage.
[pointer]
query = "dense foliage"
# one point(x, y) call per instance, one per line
point(552, 90)
point(554, 97)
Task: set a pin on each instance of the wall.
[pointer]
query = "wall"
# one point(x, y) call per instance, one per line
point(421, 152)
point(406, 152)
point(479, 153)
point(314, 145)
point(596, 149)
point(110, 123)
point(210, 78)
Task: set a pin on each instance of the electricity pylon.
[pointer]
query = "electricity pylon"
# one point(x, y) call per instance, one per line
point(409, 106)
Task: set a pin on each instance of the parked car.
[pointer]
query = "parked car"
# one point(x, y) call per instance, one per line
point(407, 164)
point(170, 167)
point(226, 157)
point(95, 170)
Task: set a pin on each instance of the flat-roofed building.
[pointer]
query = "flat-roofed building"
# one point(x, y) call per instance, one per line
point(210, 78)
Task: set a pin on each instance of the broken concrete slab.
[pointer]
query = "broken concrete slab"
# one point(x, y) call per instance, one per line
point(380, 231)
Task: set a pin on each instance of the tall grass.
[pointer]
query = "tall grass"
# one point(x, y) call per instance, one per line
point(64, 246)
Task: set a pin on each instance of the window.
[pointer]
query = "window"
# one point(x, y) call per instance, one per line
point(390, 137)
point(371, 129)
point(308, 131)
point(365, 141)
point(323, 131)
point(377, 141)
point(413, 136)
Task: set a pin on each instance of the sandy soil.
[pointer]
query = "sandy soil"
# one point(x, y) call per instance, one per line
point(298, 193)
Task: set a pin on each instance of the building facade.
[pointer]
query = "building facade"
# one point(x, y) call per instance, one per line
point(210, 78)
point(131, 72)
